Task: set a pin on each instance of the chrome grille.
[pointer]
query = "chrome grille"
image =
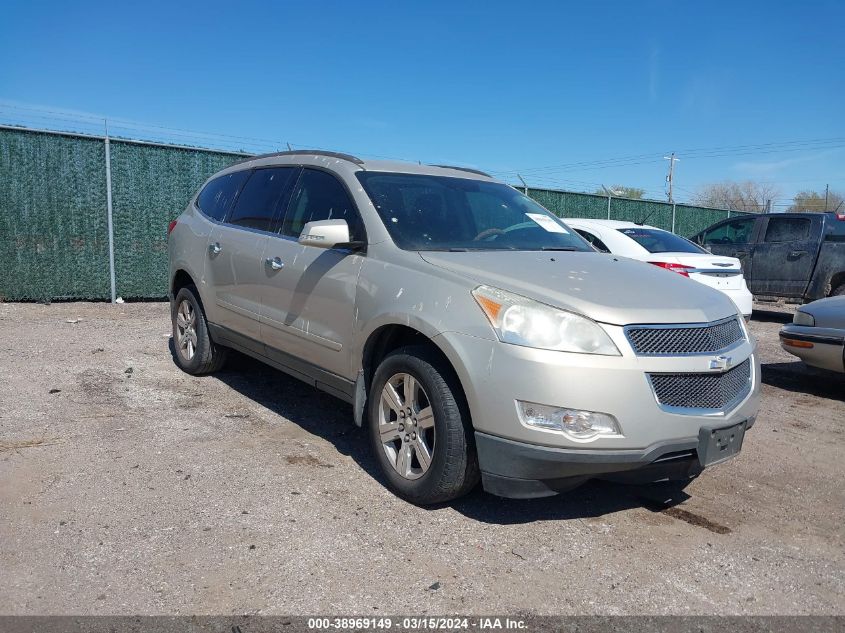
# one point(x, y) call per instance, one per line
point(648, 340)
point(703, 391)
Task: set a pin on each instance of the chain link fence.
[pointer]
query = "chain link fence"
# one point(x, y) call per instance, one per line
point(54, 210)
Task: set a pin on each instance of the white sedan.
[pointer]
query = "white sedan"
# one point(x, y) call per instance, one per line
point(669, 251)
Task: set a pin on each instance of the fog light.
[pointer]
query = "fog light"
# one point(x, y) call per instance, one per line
point(578, 425)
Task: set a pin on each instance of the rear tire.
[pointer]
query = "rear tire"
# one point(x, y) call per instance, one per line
point(193, 350)
point(428, 454)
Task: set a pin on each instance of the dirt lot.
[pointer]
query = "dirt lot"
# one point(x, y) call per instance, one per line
point(149, 491)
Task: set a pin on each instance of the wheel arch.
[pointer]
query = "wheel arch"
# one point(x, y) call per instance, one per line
point(836, 280)
point(180, 279)
point(390, 336)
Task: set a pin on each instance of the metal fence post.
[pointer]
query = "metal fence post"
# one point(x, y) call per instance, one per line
point(109, 214)
point(673, 217)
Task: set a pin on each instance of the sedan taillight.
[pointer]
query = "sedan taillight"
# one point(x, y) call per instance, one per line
point(675, 268)
point(171, 226)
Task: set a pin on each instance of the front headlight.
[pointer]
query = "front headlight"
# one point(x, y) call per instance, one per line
point(521, 321)
point(803, 318)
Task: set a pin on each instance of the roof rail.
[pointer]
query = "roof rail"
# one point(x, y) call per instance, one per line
point(313, 152)
point(472, 171)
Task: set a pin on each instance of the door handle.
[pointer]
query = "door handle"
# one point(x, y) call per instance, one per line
point(214, 248)
point(797, 253)
point(275, 263)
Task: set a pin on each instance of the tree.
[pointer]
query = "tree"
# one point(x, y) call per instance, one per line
point(812, 201)
point(623, 192)
point(740, 196)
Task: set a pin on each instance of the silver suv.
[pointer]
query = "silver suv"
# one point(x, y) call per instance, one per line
point(475, 334)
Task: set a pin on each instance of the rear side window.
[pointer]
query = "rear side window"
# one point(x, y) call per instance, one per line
point(259, 199)
point(216, 197)
point(593, 239)
point(320, 196)
point(657, 241)
point(787, 229)
point(835, 230)
point(736, 232)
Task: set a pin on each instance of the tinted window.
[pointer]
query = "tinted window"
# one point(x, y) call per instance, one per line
point(657, 241)
point(320, 196)
point(736, 232)
point(835, 229)
point(216, 197)
point(423, 212)
point(594, 240)
point(787, 229)
point(259, 199)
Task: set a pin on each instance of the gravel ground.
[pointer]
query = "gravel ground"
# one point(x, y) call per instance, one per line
point(147, 491)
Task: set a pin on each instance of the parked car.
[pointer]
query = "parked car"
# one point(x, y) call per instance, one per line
point(817, 334)
point(474, 334)
point(793, 255)
point(669, 251)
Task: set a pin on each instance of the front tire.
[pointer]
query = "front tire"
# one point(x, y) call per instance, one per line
point(194, 351)
point(420, 431)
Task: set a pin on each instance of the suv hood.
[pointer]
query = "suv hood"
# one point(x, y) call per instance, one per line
point(606, 288)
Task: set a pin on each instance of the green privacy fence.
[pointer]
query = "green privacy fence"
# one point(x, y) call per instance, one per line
point(151, 186)
point(54, 241)
point(53, 232)
point(54, 235)
point(682, 219)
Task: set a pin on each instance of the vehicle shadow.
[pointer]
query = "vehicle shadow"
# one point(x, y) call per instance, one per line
point(798, 377)
point(592, 500)
point(771, 316)
point(326, 417)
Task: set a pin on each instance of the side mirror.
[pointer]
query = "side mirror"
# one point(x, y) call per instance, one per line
point(328, 234)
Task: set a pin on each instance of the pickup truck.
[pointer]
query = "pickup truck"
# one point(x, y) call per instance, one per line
point(784, 255)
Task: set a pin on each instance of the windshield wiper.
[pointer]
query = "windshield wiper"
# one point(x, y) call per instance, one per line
point(558, 248)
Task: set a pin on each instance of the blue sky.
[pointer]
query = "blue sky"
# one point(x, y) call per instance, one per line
point(535, 87)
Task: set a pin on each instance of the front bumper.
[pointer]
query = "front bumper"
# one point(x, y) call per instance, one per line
point(522, 471)
point(658, 442)
point(818, 347)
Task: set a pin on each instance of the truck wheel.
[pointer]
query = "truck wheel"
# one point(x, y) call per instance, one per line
point(419, 428)
point(194, 351)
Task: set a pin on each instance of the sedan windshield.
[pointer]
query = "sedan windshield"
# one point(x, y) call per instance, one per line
point(427, 213)
point(657, 241)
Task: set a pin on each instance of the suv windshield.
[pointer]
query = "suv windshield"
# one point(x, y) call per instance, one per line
point(658, 241)
point(426, 213)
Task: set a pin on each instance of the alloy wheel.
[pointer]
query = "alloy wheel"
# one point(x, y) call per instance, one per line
point(406, 426)
point(186, 333)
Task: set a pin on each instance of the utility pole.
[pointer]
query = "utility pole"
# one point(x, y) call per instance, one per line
point(670, 178)
point(826, 195)
point(524, 184)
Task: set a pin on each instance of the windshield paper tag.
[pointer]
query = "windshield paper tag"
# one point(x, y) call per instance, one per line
point(547, 223)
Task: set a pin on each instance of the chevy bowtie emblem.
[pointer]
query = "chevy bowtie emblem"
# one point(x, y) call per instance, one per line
point(721, 362)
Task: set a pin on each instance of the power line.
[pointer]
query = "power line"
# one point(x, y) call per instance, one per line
point(715, 152)
point(93, 121)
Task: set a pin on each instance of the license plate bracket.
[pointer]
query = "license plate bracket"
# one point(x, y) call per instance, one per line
point(718, 444)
